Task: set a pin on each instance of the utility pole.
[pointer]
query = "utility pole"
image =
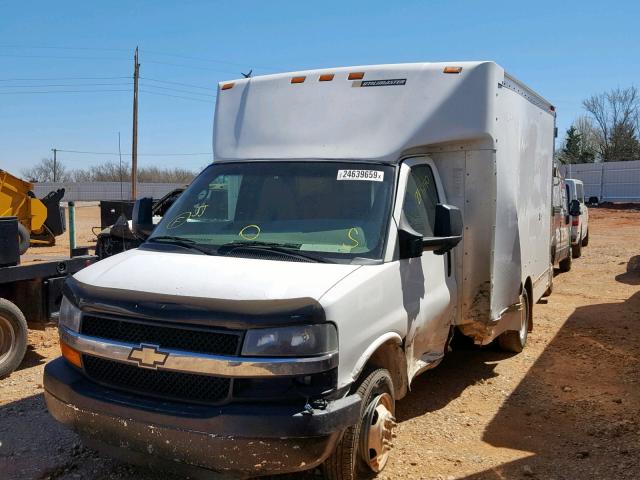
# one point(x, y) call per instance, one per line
point(134, 139)
point(55, 164)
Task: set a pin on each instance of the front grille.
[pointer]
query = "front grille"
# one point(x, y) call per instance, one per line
point(186, 387)
point(179, 337)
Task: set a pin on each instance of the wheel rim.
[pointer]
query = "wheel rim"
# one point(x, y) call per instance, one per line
point(524, 318)
point(377, 432)
point(7, 338)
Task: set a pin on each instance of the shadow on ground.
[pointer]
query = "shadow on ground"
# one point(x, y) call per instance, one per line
point(577, 408)
point(632, 275)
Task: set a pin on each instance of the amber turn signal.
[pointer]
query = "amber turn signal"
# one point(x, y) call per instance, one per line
point(70, 354)
point(452, 69)
point(356, 76)
point(227, 86)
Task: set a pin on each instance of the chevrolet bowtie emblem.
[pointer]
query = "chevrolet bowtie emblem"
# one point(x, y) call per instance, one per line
point(148, 356)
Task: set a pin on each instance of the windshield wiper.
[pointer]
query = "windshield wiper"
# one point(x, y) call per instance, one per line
point(290, 249)
point(180, 242)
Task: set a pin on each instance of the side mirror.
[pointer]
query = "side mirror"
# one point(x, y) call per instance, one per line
point(142, 218)
point(574, 208)
point(447, 234)
point(447, 231)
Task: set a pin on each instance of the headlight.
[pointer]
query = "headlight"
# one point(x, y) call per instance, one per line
point(69, 315)
point(295, 341)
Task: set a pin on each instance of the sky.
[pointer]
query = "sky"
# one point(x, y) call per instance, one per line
point(80, 54)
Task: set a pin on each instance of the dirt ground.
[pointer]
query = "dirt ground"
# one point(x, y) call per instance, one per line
point(565, 408)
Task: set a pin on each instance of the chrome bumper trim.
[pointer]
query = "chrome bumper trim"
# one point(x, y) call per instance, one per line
point(200, 363)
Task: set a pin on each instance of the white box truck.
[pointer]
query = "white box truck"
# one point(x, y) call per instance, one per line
point(352, 221)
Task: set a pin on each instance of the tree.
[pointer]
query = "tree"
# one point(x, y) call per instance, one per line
point(616, 114)
point(571, 150)
point(575, 149)
point(625, 143)
point(44, 171)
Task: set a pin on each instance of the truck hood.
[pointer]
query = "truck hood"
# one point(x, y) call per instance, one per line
point(214, 277)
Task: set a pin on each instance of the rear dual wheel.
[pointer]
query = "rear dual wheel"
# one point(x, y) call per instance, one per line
point(13, 337)
point(512, 340)
point(364, 447)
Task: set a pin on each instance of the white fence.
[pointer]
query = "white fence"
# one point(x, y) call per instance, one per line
point(609, 181)
point(92, 191)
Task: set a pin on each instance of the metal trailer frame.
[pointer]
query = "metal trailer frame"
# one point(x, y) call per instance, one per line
point(36, 289)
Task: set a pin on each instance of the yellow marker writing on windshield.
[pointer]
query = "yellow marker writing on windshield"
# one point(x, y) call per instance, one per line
point(179, 220)
point(249, 237)
point(199, 210)
point(353, 231)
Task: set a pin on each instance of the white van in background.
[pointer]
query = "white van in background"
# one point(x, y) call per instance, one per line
point(579, 216)
point(560, 225)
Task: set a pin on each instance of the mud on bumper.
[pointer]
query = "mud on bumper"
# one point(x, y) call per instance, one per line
point(239, 440)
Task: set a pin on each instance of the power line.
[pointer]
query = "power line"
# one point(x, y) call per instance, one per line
point(65, 48)
point(177, 83)
point(178, 96)
point(190, 154)
point(212, 60)
point(152, 52)
point(65, 85)
point(64, 91)
point(61, 57)
point(59, 78)
point(179, 90)
point(191, 66)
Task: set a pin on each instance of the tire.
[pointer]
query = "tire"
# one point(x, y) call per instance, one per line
point(347, 461)
point(13, 337)
point(512, 340)
point(24, 237)
point(565, 265)
point(585, 240)
point(549, 290)
point(576, 250)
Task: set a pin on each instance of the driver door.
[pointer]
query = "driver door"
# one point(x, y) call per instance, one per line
point(428, 283)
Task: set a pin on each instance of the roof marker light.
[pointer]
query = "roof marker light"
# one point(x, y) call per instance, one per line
point(227, 86)
point(298, 79)
point(452, 70)
point(326, 77)
point(356, 76)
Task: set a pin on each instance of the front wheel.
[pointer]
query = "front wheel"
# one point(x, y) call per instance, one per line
point(514, 341)
point(585, 240)
point(365, 447)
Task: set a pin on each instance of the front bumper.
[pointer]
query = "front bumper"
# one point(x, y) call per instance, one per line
point(238, 439)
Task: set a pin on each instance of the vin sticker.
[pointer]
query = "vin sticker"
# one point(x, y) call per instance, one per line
point(368, 175)
point(383, 83)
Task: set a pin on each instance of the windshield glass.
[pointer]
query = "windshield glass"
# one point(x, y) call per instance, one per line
point(337, 210)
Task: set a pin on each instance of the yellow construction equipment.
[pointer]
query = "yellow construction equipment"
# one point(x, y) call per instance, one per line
point(40, 221)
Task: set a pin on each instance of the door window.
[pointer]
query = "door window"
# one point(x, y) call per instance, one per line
point(420, 200)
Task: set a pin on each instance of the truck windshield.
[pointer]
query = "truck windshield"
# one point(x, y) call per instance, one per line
point(336, 210)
